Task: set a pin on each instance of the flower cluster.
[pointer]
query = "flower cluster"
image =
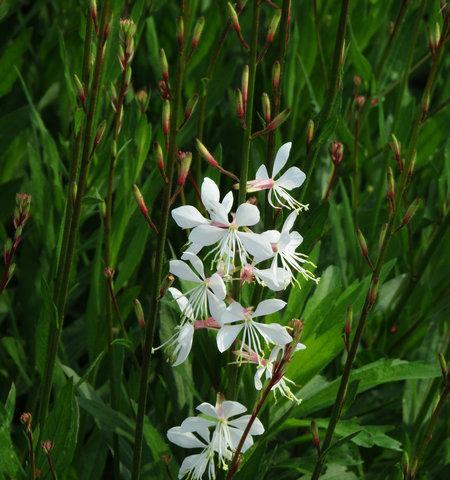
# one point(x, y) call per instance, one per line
point(235, 253)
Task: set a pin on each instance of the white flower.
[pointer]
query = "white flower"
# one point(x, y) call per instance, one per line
point(278, 188)
point(266, 277)
point(181, 341)
point(265, 368)
point(194, 466)
point(227, 431)
point(221, 230)
point(284, 246)
point(236, 318)
point(207, 290)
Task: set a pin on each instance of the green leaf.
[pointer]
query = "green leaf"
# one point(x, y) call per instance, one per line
point(11, 59)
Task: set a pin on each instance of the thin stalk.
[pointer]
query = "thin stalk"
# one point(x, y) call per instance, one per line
point(355, 164)
point(319, 41)
point(330, 185)
point(423, 446)
point(276, 95)
point(333, 88)
point(31, 454)
point(159, 261)
point(60, 297)
point(371, 294)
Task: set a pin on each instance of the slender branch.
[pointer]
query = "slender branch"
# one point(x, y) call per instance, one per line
point(159, 260)
point(333, 88)
point(62, 283)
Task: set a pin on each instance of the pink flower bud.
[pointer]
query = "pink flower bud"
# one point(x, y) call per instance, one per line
point(336, 152)
point(205, 154)
point(276, 75)
point(140, 201)
point(266, 107)
point(198, 29)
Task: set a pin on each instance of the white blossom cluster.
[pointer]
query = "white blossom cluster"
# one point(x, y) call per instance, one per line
point(235, 253)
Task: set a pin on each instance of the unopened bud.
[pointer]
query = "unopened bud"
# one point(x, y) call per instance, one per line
point(159, 158)
point(434, 37)
point(412, 164)
point(204, 152)
point(396, 150)
point(336, 152)
point(139, 312)
point(315, 435)
point(100, 132)
point(410, 212)
point(443, 365)
point(276, 75)
point(357, 81)
point(405, 465)
point(142, 98)
point(93, 12)
point(382, 236)
point(273, 25)
point(166, 117)
point(190, 106)
point(166, 285)
point(185, 165)
point(47, 446)
point(164, 65)
point(198, 30)
point(180, 32)
point(26, 419)
point(140, 200)
point(362, 243)
point(81, 94)
point(266, 107)
point(73, 192)
point(278, 120)
point(390, 184)
point(425, 105)
point(309, 132)
point(108, 272)
point(373, 292)
point(233, 17)
point(127, 28)
point(239, 104)
point(244, 84)
point(360, 100)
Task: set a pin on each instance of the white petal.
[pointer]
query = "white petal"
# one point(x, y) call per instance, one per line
point(218, 213)
point(289, 222)
point(206, 235)
point(183, 303)
point(247, 215)
point(235, 437)
point(227, 335)
point(217, 285)
point(207, 409)
point(292, 178)
point(299, 346)
point(241, 423)
point(196, 263)
point(230, 408)
point(272, 236)
point(188, 216)
point(227, 202)
point(210, 192)
point(197, 424)
point(184, 439)
point(193, 248)
point(258, 374)
point(281, 158)
point(256, 245)
point(274, 333)
point(190, 463)
point(184, 343)
point(261, 173)
point(216, 308)
point(266, 307)
point(233, 313)
point(276, 280)
point(183, 271)
point(295, 241)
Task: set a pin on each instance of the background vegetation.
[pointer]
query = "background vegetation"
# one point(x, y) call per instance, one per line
point(376, 85)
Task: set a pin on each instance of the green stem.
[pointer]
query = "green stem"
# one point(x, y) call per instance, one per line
point(333, 88)
point(340, 397)
point(62, 284)
point(159, 261)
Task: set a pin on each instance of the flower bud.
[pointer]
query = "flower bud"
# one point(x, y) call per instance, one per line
point(142, 99)
point(396, 150)
point(166, 117)
point(246, 275)
point(412, 164)
point(336, 152)
point(164, 65)
point(425, 106)
point(382, 236)
point(276, 75)
point(140, 200)
point(93, 13)
point(81, 94)
point(139, 312)
point(309, 132)
point(373, 292)
point(166, 285)
point(273, 25)
point(73, 192)
point(357, 81)
point(390, 184)
point(233, 17)
point(108, 272)
point(266, 107)
point(244, 85)
point(180, 32)
point(278, 120)
point(405, 465)
point(198, 30)
point(434, 37)
point(26, 419)
point(47, 446)
point(204, 152)
point(410, 212)
point(362, 243)
point(185, 165)
point(99, 134)
point(315, 435)
point(239, 104)
point(190, 107)
point(360, 100)
point(443, 365)
point(159, 156)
